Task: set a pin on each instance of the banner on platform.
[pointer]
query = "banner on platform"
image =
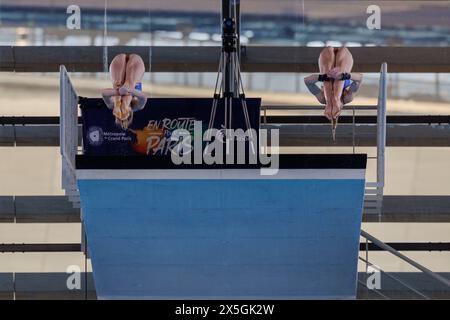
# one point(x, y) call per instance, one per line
point(151, 130)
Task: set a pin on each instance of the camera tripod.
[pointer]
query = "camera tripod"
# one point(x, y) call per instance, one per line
point(229, 62)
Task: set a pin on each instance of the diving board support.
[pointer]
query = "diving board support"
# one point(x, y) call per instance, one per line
point(68, 127)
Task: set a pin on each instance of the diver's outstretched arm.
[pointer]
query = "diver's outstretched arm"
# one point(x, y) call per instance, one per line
point(310, 82)
point(139, 100)
point(354, 87)
point(107, 95)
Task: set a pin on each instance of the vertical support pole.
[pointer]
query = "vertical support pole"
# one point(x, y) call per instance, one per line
point(237, 16)
point(231, 9)
point(227, 72)
point(62, 96)
point(437, 84)
point(237, 10)
point(381, 136)
point(83, 238)
point(367, 256)
point(381, 127)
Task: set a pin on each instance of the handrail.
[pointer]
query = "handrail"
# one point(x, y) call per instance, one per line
point(381, 126)
point(68, 124)
point(396, 279)
point(375, 290)
point(68, 130)
point(388, 248)
point(374, 207)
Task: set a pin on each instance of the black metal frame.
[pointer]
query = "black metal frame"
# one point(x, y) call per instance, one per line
point(76, 247)
point(398, 119)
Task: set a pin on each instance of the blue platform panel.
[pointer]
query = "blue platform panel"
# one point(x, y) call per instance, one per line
point(218, 233)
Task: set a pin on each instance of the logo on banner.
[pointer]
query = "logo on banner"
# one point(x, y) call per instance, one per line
point(95, 136)
point(156, 137)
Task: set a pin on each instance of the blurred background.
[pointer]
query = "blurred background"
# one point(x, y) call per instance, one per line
point(410, 171)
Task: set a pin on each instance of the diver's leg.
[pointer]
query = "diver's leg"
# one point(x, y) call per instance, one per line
point(344, 62)
point(134, 71)
point(326, 63)
point(117, 72)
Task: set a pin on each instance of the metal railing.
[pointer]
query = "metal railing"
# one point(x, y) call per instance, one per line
point(373, 199)
point(68, 127)
point(387, 248)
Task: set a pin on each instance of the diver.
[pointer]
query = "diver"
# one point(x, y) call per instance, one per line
point(340, 85)
point(126, 95)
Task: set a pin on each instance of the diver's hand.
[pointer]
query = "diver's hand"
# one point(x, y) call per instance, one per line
point(117, 112)
point(124, 90)
point(335, 73)
point(337, 109)
point(328, 112)
point(126, 106)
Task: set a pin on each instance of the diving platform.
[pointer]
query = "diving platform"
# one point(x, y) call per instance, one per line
point(158, 230)
point(155, 232)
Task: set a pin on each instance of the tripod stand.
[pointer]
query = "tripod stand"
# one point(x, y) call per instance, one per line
point(229, 58)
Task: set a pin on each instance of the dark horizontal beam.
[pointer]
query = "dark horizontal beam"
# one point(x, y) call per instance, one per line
point(409, 246)
point(31, 136)
point(43, 286)
point(278, 119)
point(57, 209)
point(393, 289)
point(418, 209)
point(39, 247)
point(316, 133)
point(30, 120)
point(52, 285)
point(206, 59)
point(37, 209)
point(397, 135)
point(289, 119)
point(76, 247)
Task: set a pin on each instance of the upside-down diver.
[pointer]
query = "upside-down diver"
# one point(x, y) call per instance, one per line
point(126, 95)
point(339, 84)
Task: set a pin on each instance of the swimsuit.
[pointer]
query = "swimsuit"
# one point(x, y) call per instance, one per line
point(141, 100)
point(347, 83)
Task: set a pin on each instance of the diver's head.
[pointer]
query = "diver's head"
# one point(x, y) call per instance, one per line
point(125, 122)
point(126, 118)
